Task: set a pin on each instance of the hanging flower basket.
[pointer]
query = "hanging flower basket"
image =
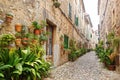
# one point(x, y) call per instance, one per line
point(56, 4)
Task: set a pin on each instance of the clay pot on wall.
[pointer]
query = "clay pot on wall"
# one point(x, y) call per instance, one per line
point(37, 31)
point(18, 27)
point(9, 18)
point(25, 41)
point(111, 67)
point(18, 42)
point(34, 41)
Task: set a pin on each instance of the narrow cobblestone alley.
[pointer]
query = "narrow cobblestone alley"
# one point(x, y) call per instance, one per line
point(86, 67)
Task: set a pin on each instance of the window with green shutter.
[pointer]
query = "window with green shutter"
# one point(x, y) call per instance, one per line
point(70, 11)
point(76, 21)
point(91, 35)
point(66, 39)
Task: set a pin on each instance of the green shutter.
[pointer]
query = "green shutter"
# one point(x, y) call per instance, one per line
point(91, 35)
point(66, 41)
point(76, 21)
point(70, 11)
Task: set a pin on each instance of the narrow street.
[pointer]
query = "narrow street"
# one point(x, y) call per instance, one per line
point(86, 67)
point(39, 39)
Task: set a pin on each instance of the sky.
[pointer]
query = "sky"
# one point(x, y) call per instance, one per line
point(91, 9)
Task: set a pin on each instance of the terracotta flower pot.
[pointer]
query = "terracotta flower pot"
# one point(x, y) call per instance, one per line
point(18, 27)
point(36, 31)
point(25, 41)
point(34, 41)
point(42, 42)
point(111, 67)
point(18, 42)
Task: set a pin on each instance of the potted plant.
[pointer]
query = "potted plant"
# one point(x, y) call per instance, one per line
point(44, 37)
point(6, 40)
point(109, 63)
point(37, 27)
point(25, 39)
point(116, 44)
point(18, 39)
point(34, 39)
point(9, 18)
point(18, 27)
point(72, 56)
point(56, 4)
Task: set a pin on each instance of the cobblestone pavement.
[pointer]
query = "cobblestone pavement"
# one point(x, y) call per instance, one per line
point(86, 67)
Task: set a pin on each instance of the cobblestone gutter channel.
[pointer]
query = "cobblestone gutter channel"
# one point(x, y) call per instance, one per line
point(86, 67)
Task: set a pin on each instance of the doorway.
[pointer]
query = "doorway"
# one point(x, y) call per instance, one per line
point(50, 42)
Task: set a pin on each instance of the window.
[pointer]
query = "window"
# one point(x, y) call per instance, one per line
point(76, 21)
point(70, 11)
point(66, 39)
point(113, 17)
point(91, 35)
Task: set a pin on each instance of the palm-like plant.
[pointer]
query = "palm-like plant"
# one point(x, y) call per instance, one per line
point(21, 65)
point(6, 39)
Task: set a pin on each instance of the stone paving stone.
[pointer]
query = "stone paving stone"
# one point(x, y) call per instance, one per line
point(86, 67)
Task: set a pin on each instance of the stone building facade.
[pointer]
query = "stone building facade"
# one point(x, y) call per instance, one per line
point(66, 21)
point(109, 18)
point(88, 31)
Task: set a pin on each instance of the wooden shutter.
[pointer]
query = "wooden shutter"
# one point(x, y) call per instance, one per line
point(70, 11)
point(76, 21)
point(66, 41)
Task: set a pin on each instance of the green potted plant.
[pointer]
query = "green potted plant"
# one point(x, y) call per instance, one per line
point(56, 3)
point(18, 39)
point(37, 27)
point(19, 64)
point(34, 39)
point(109, 63)
point(44, 37)
point(72, 56)
point(25, 39)
point(116, 44)
point(6, 39)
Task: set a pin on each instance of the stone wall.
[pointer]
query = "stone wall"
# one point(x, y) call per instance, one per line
point(110, 21)
point(26, 11)
point(106, 17)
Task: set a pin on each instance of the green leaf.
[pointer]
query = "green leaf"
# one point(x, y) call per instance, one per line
point(17, 72)
point(5, 67)
point(1, 75)
point(17, 60)
point(19, 67)
point(38, 75)
point(33, 72)
point(25, 51)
